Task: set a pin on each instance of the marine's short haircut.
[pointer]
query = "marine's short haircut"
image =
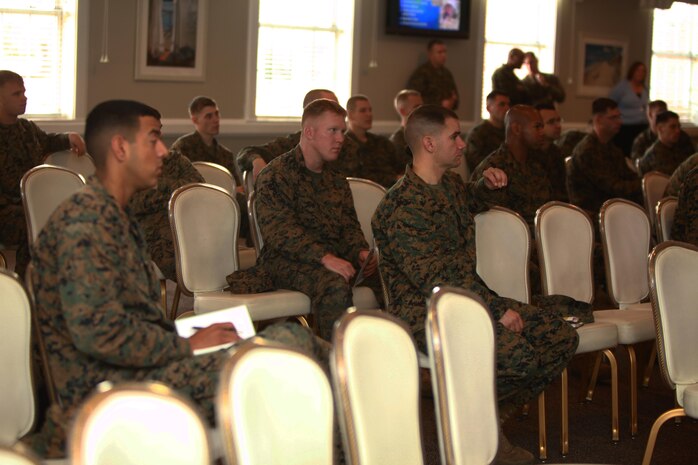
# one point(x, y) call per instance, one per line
point(402, 97)
point(199, 103)
point(492, 96)
point(110, 118)
point(351, 103)
point(602, 105)
point(545, 106)
point(10, 76)
point(434, 42)
point(426, 120)
point(319, 106)
point(315, 94)
point(655, 105)
point(666, 116)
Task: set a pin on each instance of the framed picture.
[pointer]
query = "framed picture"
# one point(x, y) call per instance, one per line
point(170, 42)
point(602, 63)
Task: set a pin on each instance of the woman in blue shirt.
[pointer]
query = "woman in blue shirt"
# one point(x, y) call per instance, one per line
point(632, 96)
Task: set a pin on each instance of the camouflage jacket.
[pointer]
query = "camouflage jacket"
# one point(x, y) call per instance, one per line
point(504, 80)
point(569, 140)
point(554, 164)
point(304, 215)
point(482, 140)
point(646, 138)
point(598, 172)
point(662, 158)
point(677, 178)
point(379, 160)
point(151, 209)
point(685, 227)
point(435, 84)
point(194, 148)
point(538, 93)
point(403, 151)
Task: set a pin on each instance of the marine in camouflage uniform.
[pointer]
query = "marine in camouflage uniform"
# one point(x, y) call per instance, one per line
point(504, 80)
point(97, 302)
point(678, 176)
point(554, 165)
point(569, 140)
point(436, 84)
point(379, 160)
point(426, 236)
point(538, 93)
point(685, 227)
point(482, 140)
point(402, 150)
point(646, 138)
point(151, 208)
point(660, 157)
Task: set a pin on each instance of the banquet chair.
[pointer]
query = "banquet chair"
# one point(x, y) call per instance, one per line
point(274, 405)
point(216, 174)
point(81, 164)
point(565, 242)
point(653, 185)
point(666, 208)
point(376, 378)
point(673, 267)
point(205, 222)
point(138, 424)
point(3, 261)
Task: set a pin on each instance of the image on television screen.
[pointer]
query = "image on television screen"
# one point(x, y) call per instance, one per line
point(428, 17)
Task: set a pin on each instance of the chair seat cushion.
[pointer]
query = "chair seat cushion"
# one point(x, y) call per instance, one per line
point(365, 299)
point(262, 306)
point(596, 336)
point(633, 325)
point(644, 306)
point(690, 400)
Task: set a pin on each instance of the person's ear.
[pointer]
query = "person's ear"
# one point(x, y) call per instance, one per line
point(119, 147)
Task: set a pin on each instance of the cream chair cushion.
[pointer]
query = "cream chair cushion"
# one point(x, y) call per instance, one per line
point(366, 195)
point(217, 175)
point(82, 164)
point(653, 185)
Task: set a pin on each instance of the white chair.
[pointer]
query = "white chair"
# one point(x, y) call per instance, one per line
point(3, 261)
point(44, 188)
point(666, 208)
point(139, 424)
point(205, 223)
point(10, 456)
point(274, 405)
point(565, 242)
point(653, 185)
point(376, 379)
point(217, 175)
point(81, 164)
point(673, 269)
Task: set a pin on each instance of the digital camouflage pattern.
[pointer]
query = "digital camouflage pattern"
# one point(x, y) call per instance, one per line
point(646, 138)
point(662, 158)
point(435, 84)
point(97, 302)
point(685, 227)
point(540, 94)
point(504, 80)
point(679, 174)
point(482, 140)
point(426, 235)
point(598, 172)
point(402, 150)
point(302, 216)
point(151, 209)
point(379, 160)
point(568, 140)
point(194, 148)
point(554, 164)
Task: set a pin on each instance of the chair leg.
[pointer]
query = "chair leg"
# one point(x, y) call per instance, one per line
point(594, 377)
point(615, 428)
point(650, 366)
point(565, 434)
point(163, 296)
point(175, 303)
point(678, 412)
point(632, 363)
point(542, 433)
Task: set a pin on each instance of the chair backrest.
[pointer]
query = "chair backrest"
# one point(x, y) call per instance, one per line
point(461, 343)
point(673, 267)
point(17, 402)
point(205, 223)
point(503, 247)
point(666, 208)
point(44, 188)
point(82, 164)
point(625, 233)
point(653, 185)
point(15, 457)
point(256, 233)
point(138, 424)
point(275, 405)
point(367, 195)
point(376, 377)
point(217, 175)
point(565, 243)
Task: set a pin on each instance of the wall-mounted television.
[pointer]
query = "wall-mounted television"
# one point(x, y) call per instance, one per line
point(433, 18)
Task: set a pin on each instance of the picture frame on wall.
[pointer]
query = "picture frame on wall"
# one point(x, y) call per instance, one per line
point(602, 63)
point(171, 40)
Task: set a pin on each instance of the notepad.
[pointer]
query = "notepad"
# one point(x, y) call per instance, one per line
point(239, 316)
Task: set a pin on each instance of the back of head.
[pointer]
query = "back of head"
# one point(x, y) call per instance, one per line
point(111, 118)
point(666, 116)
point(199, 103)
point(403, 96)
point(353, 100)
point(657, 106)
point(426, 120)
point(317, 107)
point(545, 106)
point(10, 76)
point(492, 96)
point(316, 94)
point(601, 105)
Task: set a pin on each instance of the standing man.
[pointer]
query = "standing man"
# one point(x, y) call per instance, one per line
point(405, 101)
point(550, 155)
point(312, 238)
point(666, 153)
point(425, 231)
point(504, 80)
point(379, 161)
point(487, 136)
point(23, 145)
point(541, 88)
point(433, 80)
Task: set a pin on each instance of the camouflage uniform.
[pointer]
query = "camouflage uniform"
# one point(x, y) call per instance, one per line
point(22, 147)
point(598, 172)
point(537, 93)
point(97, 302)
point(151, 209)
point(426, 236)
point(379, 160)
point(504, 80)
point(554, 164)
point(569, 140)
point(403, 151)
point(482, 140)
point(662, 158)
point(685, 227)
point(435, 84)
point(646, 138)
point(677, 178)
point(303, 216)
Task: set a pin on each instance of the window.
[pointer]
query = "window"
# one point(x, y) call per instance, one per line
point(674, 75)
point(528, 25)
point(39, 40)
point(301, 45)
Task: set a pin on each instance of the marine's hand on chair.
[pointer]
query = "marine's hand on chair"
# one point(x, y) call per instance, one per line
point(216, 334)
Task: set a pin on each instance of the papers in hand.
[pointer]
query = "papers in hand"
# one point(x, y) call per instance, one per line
point(238, 316)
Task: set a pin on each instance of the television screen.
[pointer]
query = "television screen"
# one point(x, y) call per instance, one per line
point(434, 18)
